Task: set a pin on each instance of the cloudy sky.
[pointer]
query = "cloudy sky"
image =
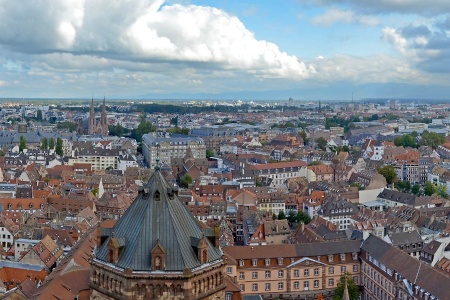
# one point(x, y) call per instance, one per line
point(232, 49)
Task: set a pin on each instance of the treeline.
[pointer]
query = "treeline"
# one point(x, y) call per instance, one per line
point(430, 139)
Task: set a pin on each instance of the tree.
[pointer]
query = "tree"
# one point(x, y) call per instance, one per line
point(321, 143)
point(39, 115)
point(22, 143)
point(144, 127)
point(292, 216)
point(389, 173)
point(185, 181)
point(70, 126)
point(403, 186)
point(303, 217)
point(51, 143)
point(345, 149)
point(59, 147)
point(441, 190)
point(209, 153)
point(358, 185)
point(352, 288)
point(281, 215)
point(315, 163)
point(431, 139)
point(116, 130)
point(429, 188)
point(415, 189)
point(44, 143)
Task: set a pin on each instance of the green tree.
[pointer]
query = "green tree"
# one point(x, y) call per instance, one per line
point(431, 139)
point(144, 127)
point(352, 288)
point(389, 173)
point(281, 215)
point(345, 149)
point(415, 189)
point(44, 143)
point(39, 115)
point(303, 217)
point(358, 185)
point(403, 186)
point(274, 216)
point(59, 147)
point(292, 216)
point(185, 181)
point(22, 143)
point(209, 153)
point(51, 143)
point(441, 190)
point(406, 140)
point(321, 143)
point(116, 130)
point(94, 192)
point(70, 126)
point(315, 163)
point(429, 188)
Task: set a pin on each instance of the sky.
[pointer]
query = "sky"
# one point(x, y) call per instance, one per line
point(225, 49)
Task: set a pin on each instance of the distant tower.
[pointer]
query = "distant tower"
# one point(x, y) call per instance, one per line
point(320, 106)
point(92, 124)
point(103, 119)
point(102, 126)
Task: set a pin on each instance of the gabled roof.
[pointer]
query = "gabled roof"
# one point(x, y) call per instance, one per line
point(156, 215)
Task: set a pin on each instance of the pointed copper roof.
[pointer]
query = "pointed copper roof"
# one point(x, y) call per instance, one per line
point(157, 216)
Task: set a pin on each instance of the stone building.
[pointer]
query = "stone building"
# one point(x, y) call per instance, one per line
point(100, 127)
point(157, 250)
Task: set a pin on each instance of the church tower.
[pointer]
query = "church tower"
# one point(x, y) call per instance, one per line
point(103, 119)
point(92, 124)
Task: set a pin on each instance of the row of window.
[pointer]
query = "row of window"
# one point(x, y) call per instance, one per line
point(296, 285)
point(306, 272)
point(281, 260)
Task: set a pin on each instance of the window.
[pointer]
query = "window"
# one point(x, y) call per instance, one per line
point(296, 273)
point(355, 268)
point(242, 286)
point(241, 275)
point(316, 283)
point(241, 263)
point(331, 270)
point(267, 261)
point(228, 296)
point(229, 270)
point(280, 273)
point(254, 275)
point(254, 262)
point(355, 279)
point(316, 272)
point(267, 286)
point(268, 274)
point(342, 257)
point(306, 285)
point(343, 269)
point(296, 285)
point(280, 261)
point(330, 258)
point(306, 272)
point(254, 287)
point(280, 285)
point(331, 282)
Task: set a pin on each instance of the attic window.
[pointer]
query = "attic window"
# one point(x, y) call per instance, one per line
point(157, 196)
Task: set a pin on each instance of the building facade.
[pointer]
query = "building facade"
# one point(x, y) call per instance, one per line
point(167, 148)
point(100, 127)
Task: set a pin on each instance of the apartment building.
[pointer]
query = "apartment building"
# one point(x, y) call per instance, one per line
point(100, 159)
point(279, 173)
point(301, 269)
point(390, 273)
point(168, 148)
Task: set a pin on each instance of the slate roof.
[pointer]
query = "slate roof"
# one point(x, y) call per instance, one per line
point(148, 221)
point(416, 272)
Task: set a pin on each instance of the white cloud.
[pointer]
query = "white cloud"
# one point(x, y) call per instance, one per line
point(394, 38)
point(335, 15)
point(143, 31)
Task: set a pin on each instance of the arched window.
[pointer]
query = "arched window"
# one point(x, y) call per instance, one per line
point(157, 263)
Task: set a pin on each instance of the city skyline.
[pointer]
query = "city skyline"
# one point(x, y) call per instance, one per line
point(307, 50)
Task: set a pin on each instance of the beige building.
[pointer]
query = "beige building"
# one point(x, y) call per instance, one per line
point(293, 270)
point(168, 148)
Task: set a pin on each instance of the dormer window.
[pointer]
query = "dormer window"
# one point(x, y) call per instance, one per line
point(267, 261)
point(254, 262)
point(241, 263)
point(355, 256)
point(342, 257)
point(330, 258)
point(280, 261)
